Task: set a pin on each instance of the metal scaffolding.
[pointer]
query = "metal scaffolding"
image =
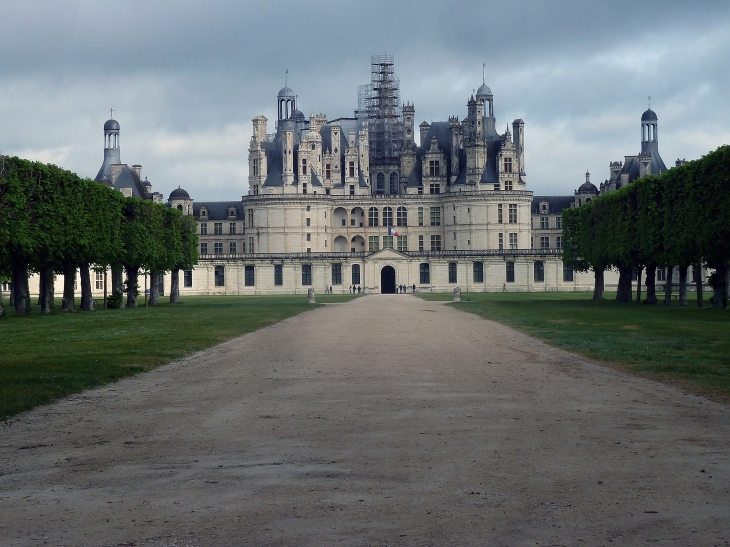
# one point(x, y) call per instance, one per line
point(379, 105)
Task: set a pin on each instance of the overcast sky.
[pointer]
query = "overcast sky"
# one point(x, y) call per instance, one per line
point(185, 77)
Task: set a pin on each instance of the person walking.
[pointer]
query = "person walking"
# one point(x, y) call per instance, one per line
point(414, 288)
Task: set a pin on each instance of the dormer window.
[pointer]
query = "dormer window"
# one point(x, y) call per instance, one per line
point(232, 213)
point(543, 207)
point(203, 212)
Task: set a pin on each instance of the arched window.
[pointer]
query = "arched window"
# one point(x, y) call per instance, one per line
point(394, 183)
point(381, 182)
point(373, 216)
point(387, 216)
point(179, 207)
point(401, 217)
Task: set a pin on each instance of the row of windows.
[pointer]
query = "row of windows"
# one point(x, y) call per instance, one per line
point(204, 212)
point(424, 270)
point(250, 281)
point(232, 247)
point(545, 242)
point(545, 223)
point(380, 184)
point(99, 280)
point(401, 217)
point(217, 228)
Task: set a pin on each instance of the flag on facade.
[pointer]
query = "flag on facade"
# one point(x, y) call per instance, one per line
point(392, 232)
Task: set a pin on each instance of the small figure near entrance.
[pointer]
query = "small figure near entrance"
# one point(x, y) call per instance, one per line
point(350, 289)
point(359, 289)
point(330, 289)
point(414, 288)
point(504, 287)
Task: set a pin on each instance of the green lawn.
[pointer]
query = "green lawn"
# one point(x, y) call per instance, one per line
point(686, 346)
point(47, 357)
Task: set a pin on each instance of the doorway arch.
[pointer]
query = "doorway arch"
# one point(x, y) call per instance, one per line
point(387, 280)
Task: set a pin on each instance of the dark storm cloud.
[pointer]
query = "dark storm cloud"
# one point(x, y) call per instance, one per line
point(186, 77)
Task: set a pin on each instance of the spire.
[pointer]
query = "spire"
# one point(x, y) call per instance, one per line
point(286, 78)
point(484, 67)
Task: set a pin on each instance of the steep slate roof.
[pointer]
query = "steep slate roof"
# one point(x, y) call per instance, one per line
point(128, 178)
point(218, 210)
point(555, 203)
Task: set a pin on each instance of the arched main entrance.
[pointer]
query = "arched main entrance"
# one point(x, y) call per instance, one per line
point(387, 280)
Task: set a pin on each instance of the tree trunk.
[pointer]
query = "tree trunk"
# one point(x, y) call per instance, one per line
point(682, 285)
point(698, 284)
point(11, 293)
point(623, 292)
point(2, 310)
point(639, 269)
point(598, 287)
point(47, 289)
point(175, 286)
point(87, 303)
point(20, 290)
point(154, 292)
point(69, 280)
point(719, 286)
point(668, 286)
point(118, 282)
point(132, 275)
point(650, 285)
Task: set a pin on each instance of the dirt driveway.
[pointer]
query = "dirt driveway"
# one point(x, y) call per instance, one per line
point(385, 421)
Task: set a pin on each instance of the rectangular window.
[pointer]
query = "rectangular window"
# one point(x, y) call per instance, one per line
point(499, 213)
point(501, 242)
point(558, 242)
point(420, 216)
point(309, 221)
point(203, 248)
point(510, 277)
point(539, 268)
point(337, 274)
point(374, 243)
point(218, 248)
point(567, 273)
point(387, 242)
point(309, 237)
point(250, 218)
point(435, 242)
point(420, 243)
point(544, 225)
point(255, 166)
point(249, 276)
point(513, 213)
point(559, 223)
point(479, 272)
point(513, 241)
point(306, 274)
point(508, 185)
point(425, 275)
point(187, 278)
point(99, 281)
point(452, 272)
point(435, 216)
point(232, 247)
point(352, 189)
point(220, 279)
point(250, 245)
point(327, 171)
point(401, 217)
point(232, 228)
point(544, 242)
point(372, 216)
point(434, 188)
point(203, 228)
point(304, 166)
point(351, 168)
point(218, 228)
point(420, 190)
point(356, 274)
point(403, 243)
point(661, 274)
point(433, 170)
point(278, 275)
point(507, 165)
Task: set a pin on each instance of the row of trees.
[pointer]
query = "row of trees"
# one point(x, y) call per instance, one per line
point(54, 222)
point(678, 219)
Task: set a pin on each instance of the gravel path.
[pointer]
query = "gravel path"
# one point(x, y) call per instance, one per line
point(385, 421)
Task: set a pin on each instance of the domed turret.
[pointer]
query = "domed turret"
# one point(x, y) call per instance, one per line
point(649, 116)
point(179, 193)
point(179, 199)
point(111, 151)
point(286, 93)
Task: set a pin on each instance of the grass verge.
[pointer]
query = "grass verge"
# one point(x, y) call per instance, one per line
point(44, 358)
point(684, 346)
